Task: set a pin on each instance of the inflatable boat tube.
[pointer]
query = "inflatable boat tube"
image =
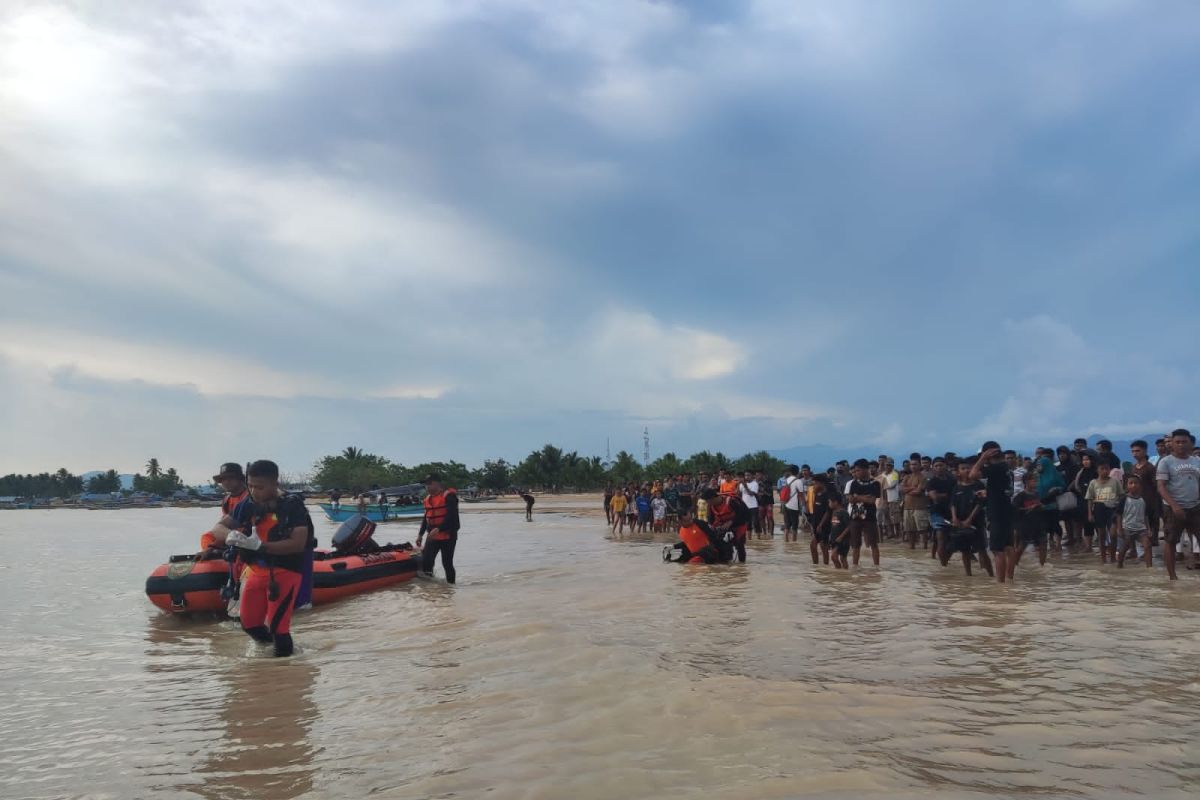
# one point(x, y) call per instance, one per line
point(185, 586)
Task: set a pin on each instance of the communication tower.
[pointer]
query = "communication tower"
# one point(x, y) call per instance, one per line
point(645, 447)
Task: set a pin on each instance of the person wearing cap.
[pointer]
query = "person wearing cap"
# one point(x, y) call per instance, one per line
point(442, 524)
point(230, 478)
point(274, 537)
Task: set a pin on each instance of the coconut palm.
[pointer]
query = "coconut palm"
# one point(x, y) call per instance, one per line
point(153, 470)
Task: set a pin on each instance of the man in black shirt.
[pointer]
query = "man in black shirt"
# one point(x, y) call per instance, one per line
point(966, 520)
point(991, 467)
point(862, 496)
point(939, 488)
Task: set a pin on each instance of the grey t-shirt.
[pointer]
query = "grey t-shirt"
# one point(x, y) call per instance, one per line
point(1133, 513)
point(1182, 476)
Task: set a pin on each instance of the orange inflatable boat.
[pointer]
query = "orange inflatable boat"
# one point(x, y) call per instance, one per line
point(185, 585)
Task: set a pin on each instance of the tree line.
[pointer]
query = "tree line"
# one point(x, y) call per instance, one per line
point(64, 484)
point(550, 468)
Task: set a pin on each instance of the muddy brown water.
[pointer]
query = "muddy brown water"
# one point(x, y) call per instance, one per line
point(566, 665)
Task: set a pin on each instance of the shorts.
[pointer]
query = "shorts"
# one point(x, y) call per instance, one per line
point(821, 534)
point(864, 530)
point(791, 518)
point(1000, 533)
point(1175, 526)
point(765, 512)
point(643, 516)
point(937, 521)
point(916, 519)
point(895, 511)
point(1128, 535)
point(1103, 516)
point(961, 540)
point(1033, 534)
point(660, 518)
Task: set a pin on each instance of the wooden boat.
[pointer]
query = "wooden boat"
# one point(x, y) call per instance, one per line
point(372, 512)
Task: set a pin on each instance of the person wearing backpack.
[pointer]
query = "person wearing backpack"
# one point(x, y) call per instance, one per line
point(791, 494)
point(274, 536)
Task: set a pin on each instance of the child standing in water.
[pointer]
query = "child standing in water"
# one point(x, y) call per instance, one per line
point(1103, 496)
point(1133, 523)
point(617, 507)
point(658, 509)
point(839, 533)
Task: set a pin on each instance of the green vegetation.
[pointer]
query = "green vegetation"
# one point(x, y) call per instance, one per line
point(549, 468)
point(156, 480)
point(57, 484)
point(354, 469)
point(105, 483)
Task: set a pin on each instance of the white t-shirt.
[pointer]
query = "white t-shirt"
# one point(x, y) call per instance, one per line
point(891, 486)
point(797, 492)
point(749, 493)
point(659, 507)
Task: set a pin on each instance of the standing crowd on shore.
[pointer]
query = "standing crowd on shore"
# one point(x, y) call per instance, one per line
point(990, 509)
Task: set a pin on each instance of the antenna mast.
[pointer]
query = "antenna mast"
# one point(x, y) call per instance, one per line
point(645, 447)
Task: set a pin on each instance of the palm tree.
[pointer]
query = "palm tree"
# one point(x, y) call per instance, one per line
point(352, 454)
point(152, 469)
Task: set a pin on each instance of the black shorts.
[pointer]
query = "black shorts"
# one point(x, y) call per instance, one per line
point(1000, 533)
point(864, 531)
point(791, 518)
point(843, 547)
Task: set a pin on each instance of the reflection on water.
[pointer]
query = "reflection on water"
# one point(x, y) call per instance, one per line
point(267, 713)
point(567, 665)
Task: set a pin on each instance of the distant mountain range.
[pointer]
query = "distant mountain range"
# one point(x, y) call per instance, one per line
point(821, 456)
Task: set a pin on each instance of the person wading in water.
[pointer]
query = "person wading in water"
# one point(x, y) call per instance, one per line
point(441, 523)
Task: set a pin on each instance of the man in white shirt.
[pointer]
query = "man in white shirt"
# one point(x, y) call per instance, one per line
point(794, 487)
point(749, 491)
point(889, 479)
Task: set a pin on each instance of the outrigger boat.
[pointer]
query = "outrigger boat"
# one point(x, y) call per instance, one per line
point(374, 512)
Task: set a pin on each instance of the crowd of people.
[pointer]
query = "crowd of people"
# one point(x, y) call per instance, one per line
point(990, 509)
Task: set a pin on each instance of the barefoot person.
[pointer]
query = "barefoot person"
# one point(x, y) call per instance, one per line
point(862, 492)
point(1133, 523)
point(527, 496)
point(441, 523)
point(991, 467)
point(1178, 476)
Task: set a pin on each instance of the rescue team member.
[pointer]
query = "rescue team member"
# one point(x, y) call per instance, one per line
point(441, 523)
point(233, 481)
point(698, 543)
point(274, 533)
point(728, 513)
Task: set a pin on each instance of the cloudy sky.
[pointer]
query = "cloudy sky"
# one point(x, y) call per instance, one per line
point(460, 230)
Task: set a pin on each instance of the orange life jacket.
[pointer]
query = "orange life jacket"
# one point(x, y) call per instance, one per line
point(435, 514)
point(720, 512)
point(695, 538)
point(729, 487)
point(227, 505)
point(231, 500)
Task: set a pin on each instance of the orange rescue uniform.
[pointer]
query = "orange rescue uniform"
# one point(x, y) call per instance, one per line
point(230, 502)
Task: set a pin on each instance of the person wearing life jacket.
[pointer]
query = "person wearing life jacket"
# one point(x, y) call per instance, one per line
point(728, 513)
point(698, 543)
point(274, 537)
point(233, 481)
point(441, 523)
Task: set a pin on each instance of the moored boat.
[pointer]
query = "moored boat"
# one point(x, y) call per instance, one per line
point(373, 512)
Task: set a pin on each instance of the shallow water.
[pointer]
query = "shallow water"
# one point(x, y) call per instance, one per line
point(565, 665)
